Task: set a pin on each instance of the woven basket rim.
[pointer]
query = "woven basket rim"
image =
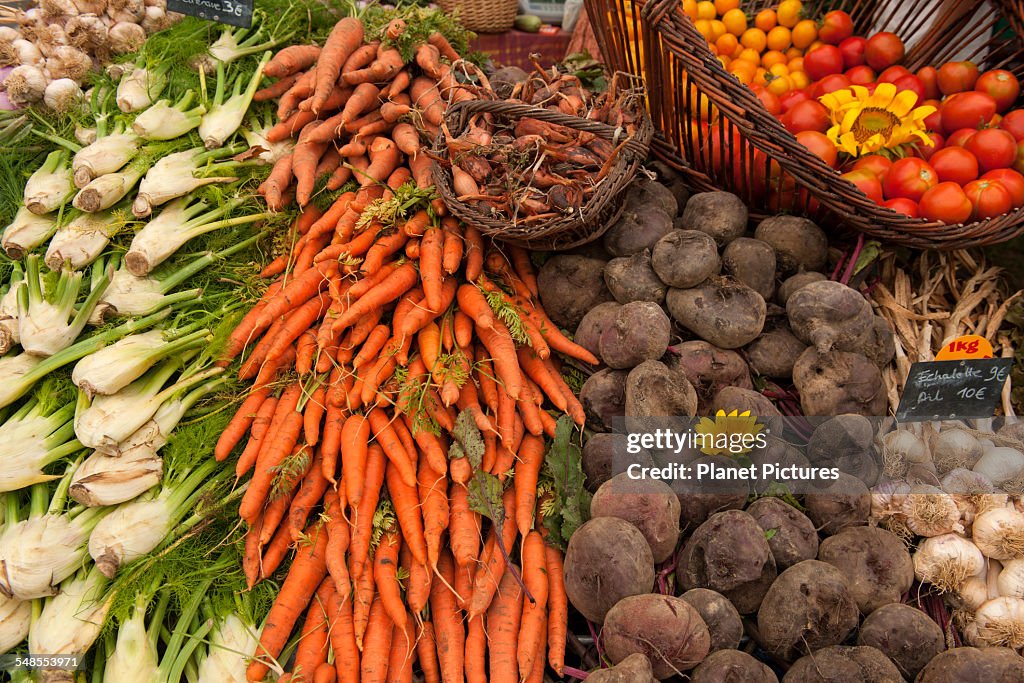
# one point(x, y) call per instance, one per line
point(594, 217)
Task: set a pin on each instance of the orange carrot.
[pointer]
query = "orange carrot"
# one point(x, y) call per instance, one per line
point(531, 458)
point(474, 253)
point(524, 268)
point(397, 283)
point(427, 99)
point(426, 649)
point(417, 587)
point(487, 576)
point(449, 634)
point(341, 175)
point(344, 40)
point(275, 90)
point(463, 527)
point(338, 538)
point(422, 171)
point(324, 673)
point(416, 319)
point(310, 492)
point(407, 139)
point(302, 89)
point(297, 292)
point(298, 322)
point(384, 368)
point(392, 111)
point(307, 571)
point(312, 649)
point(305, 350)
point(273, 188)
point(476, 651)
point(403, 640)
point(533, 630)
point(535, 369)
point(556, 340)
point(241, 335)
point(305, 158)
point(240, 423)
point(276, 551)
point(259, 429)
point(362, 513)
point(251, 556)
point(444, 47)
point(362, 601)
point(337, 98)
point(286, 404)
point(275, 509)
point(313, 414)
point(290, 127)
point(429, 445)
point(384, 159)
point(361, 57)
point(330, 446)
point(382, 249)
point(503, 355)
point(503, 624)
point(453, 246)
point(398, 84)
point(385, 575)
point(431, 249)
point(407, 509)
point(389, 62)
point(558, 608)
point(341, 631)
point(291, 60)
point(435, 508)
point(428, 58)
point(274, 452)
point(474, 304)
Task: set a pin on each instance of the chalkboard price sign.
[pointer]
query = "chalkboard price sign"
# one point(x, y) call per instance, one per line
point(234, 12)
point(951, 389)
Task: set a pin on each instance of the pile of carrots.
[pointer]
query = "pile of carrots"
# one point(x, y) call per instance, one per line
point(400, 363)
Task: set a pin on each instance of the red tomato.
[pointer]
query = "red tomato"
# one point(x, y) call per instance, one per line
point(1013, 123)
point(989, 198)
point(893, 74)
point(820, 145)
point(769, 99)
point(934, 120)
point(929, 76)
point(955, 165)
point(909, 178)
point(967, 110)
point(853, 51)
point(883, 50)
point(994, 147)
point(1011, 180)
point(867, 182)
point(960, 137)
point(793, 97)
point(946, 202)
point(1001, 85)
point(908, 207)
point(913, 83)
point(1018, 163)
point(861, 75)
point(831, 83)
point(836, 26)
point(957, 77)
point(806, 115)
point(823, 61)
point(927, 151)
point(873, 163)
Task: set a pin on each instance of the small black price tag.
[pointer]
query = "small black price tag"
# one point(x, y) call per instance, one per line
point(234, 12)
point(953, 389)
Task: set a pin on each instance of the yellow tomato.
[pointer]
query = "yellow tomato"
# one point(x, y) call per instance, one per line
point(755, 39)
point(706, 10)
point(815, 45)
point(702, 104)
point(780, 85)
point(795, 64)
point(761, 76)
point(789, 12)
point(743, 70)
point(727, 44)
point(778, 70)
point(735, 21)
point(750, 55)
point(722, 59)
point(771, 58)
point(798, 79)
point(704, 28)
point(690, 8)
point(794, 52)
point(717, 29)
point(805, 33)
point(738, 51)
point(779, 38)
point(723, 6)
point(766, 20)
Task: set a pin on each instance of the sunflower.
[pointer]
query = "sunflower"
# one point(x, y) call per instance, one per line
point(729, 433)
point(865, 123)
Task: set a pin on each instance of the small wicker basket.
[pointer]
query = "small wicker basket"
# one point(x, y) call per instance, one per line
point(751, 153)
point(591, 220)
point(483, 16)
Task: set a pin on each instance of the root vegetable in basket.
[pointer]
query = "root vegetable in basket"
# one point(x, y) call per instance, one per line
point(685, 258)
point(732, 665)
point(722, 311)
point(904, 634)
point(865, 664)
point(752, 262)
point(633, 279)
point(650, 505)
point(722, 215)
point(666, 629)
point(655, 390)
point(640, 332)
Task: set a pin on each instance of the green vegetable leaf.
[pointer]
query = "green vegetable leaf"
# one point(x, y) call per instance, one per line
point(563, 468)
point(770, 534)
point(484, 497)
point(469, 442)
point(509, 314)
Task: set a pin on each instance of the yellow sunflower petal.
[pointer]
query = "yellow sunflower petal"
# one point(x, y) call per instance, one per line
point(848, 143)
point(903, 103)
point(882, 97)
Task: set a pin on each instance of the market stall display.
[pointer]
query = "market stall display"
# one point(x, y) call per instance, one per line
point(297, 388)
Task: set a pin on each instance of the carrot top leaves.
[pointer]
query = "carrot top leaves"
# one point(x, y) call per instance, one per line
point(563, 474)
point(405, 201)
point(510, 314)
point(421, 22)
point(468, 442)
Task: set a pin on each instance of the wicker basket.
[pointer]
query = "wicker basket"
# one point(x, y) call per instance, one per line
point(751, 153)
point(593, 218)
point(483, 16)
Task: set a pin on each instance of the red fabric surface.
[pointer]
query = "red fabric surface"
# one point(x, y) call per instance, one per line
point(514, 48)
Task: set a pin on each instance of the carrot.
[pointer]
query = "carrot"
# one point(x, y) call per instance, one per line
point(344, 40)
point(305, 158)
point(406, 138)
point(297, 323)
point(385, 247)
point(312, 649)
point(427, 99)
point(311, 491)
point(286, 404)
point(503, 355)
point(431, 247)
point(305, 352)
point(426, 650)
point(400, 176)
point(273, 188)
point(533, 630)
point(474, 251)
point(274, 268)
point(337, 98)
point(531, 458)
point(435, 508)
point(274, 452)
point(444, 47)
point(449, 634)
point(417, 587)
point(362, 513)
point(341, 631)
point(291, 60)
point(558, 341)
point(384, 159)
point(476, 651)
point(573, 406)
point(341, 175)
point(290, 126)
point(276, 551)
point(313, 414)
point(330, 446)
point(429, 445)
point(468, 401)
point(251, 555)
point(240, 423)
point(338, 538)
point(397, 283)
point(461, 470)
point(503, 625)
point(463, 527)
point(259, 428)
point(384, 368)
point(297, 292)
point(324, 673)
point(275, 90)
point(398, 84)
point(453, 246)
point(558, 608)
point(385, 575)
point(389, 62)
point(474, 304)
point(240, 336)
point(393, 111)
point(403, 640)
point(529, 408)
point(302, 89)
point(524, 268)
point(362, 600)
point(361, 57)
point(537, 371)
point(537, 674)
point(328, 162)
point(549, 424)
point(422, 171)
point(416, 319)
point(485, 581)
point(275, 509)
point(428, 58)
point(364, 97)
point(307, 571)
point(406, 502)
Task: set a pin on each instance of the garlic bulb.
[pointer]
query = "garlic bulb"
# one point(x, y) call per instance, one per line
point(62, 95)
point(25, 84)
point(28, 52)
point(86, 31)
point(946, 561)
point(126, 37)
point(1000, 623)
point(887, 498)
point(126, 11)
point(57, 10)
point(905, 446)
point(1000, 464)
point(973, 593)
point(69, 62)
point(999, 533)
point(962, 481)
point(93, 7)
point(955, 448)
point(930, 511)
point(1010, 583)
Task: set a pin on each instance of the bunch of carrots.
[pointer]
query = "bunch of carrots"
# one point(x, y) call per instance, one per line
point(404, 379)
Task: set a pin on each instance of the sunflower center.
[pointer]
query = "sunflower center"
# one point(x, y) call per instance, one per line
point(874, 121)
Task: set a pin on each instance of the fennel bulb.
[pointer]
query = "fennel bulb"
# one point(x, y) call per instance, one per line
point(109, 480)
point(26, 232)
point(170, 177)
point(129, 295)
point(48, 322)
point(9, 336)
point(71, 621)
point(38, 553)
point(255, 137)
point(82, 240)
point(225, 115)
point(132, 530)
point(114, 367)
point(105, 191)
point(139, 88)
point(134, 659)
point(29, 441)
point(13, 372)
point(50, 185)
point(15, 616)
point(230, 644)
point(106, 155)
point(164, 121)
